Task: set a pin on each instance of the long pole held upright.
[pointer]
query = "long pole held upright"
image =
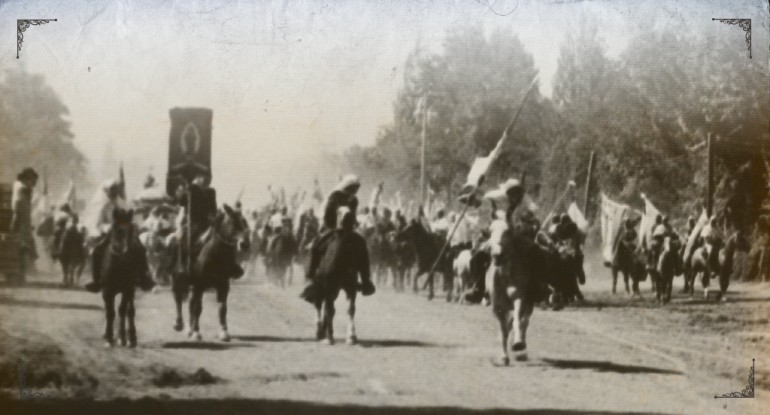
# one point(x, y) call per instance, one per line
point(710, 190)
point(422, 153)
point(508, 129)
point(588, 182)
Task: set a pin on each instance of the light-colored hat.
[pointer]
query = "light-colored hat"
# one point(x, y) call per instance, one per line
point(347, 181)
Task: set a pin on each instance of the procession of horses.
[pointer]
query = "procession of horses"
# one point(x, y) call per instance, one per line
point(496, 249)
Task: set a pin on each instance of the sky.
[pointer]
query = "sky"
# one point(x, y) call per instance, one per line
point(286, 80)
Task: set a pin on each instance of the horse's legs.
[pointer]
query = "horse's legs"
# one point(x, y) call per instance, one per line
point(328, 316)
point(634, 284)
point(352, 339)
point(109, 308)
point(415, 282)
point(319, 332)
point(504, 318)
point(179, 294)
point(222, 293)
point(122, 309)
point(520, 322)
point(131, 313)
point(614, 279)
point(705, 281)
point(196, 308)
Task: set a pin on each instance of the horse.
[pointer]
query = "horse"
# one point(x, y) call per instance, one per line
point(227, 236)
point(72, 255)
point(403, 260)
point(718, 263)
point(630, 263)
point(381, 248)
point(344, 256)
point(279, 258)
point(669, 265)
point(118, 268)
point(517, 283)
point(427, 247)
point(469, 268)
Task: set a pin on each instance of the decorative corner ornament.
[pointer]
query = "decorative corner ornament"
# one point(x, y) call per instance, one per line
point(747, 392)
point(22, 25)
point(744, 24)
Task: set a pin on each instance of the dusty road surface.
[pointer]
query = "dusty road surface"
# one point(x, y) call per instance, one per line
point(610, 355)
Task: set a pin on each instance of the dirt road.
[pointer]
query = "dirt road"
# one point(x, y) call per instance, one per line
point(610, 355)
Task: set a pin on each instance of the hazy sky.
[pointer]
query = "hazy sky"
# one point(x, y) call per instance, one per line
point(285, 79)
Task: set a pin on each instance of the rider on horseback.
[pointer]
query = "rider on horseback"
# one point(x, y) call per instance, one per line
point(202, 202)
point(114, 201)
point(344, 194)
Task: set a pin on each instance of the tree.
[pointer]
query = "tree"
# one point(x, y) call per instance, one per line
point(34, 131)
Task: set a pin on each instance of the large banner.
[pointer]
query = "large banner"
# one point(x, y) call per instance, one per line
point(613, 214)
point(189, 152)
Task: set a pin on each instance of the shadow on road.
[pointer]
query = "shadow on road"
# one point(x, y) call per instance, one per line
point(248, 406)
point(273, 339)
point(374, 343)
point(367, 343)
point(41, 285)
point(48, 304)
point(604, 366)
point(202, 345)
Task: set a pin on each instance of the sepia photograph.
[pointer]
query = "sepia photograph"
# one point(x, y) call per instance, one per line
point(385, 207)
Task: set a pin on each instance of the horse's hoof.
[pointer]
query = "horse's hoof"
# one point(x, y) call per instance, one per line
point(123, 343)
point(519, 347)
point(196, 336)
point(328, 342)
point(179, 325)
point(108, 344)
point(504, 361)
point(132, 344)
point(352, 340)
point(706, 293)
point(521, 357)
point(224, 336)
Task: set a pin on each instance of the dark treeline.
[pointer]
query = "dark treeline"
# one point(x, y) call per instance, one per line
point(35, 131)
point(646, 114)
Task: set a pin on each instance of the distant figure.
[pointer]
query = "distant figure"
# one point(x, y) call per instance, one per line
point(21, 222)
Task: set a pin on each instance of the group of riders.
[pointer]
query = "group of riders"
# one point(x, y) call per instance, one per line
point(281, 242)
point(509, 259)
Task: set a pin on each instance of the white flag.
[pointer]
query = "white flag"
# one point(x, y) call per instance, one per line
point(648, 221)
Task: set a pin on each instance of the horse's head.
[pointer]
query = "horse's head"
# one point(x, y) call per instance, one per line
point(122, 229)
point(231, 227)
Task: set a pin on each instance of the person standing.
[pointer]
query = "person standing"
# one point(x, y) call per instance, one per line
point(21, 221)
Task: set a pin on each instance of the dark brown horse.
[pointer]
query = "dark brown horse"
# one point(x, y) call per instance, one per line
point(211, 268)
point(344, 257)
point(119, 268)
point(427, 246)
point(72, 254)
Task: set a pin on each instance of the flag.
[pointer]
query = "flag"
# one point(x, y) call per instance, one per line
point(612, 216)
point(481, 165)
point(317, 193)
point(648, 221)
point(121, 182)
point(693, 236)
point(240, 195)
point(577, 216)
point(70, 197)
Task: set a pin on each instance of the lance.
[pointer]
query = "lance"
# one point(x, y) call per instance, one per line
point(471, 198)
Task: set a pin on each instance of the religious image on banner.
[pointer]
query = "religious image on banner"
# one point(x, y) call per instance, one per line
point(189, 152)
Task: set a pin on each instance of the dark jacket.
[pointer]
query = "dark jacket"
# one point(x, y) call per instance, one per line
point(336, 200)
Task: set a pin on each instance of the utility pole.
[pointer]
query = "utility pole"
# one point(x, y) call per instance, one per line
point(422, 155)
